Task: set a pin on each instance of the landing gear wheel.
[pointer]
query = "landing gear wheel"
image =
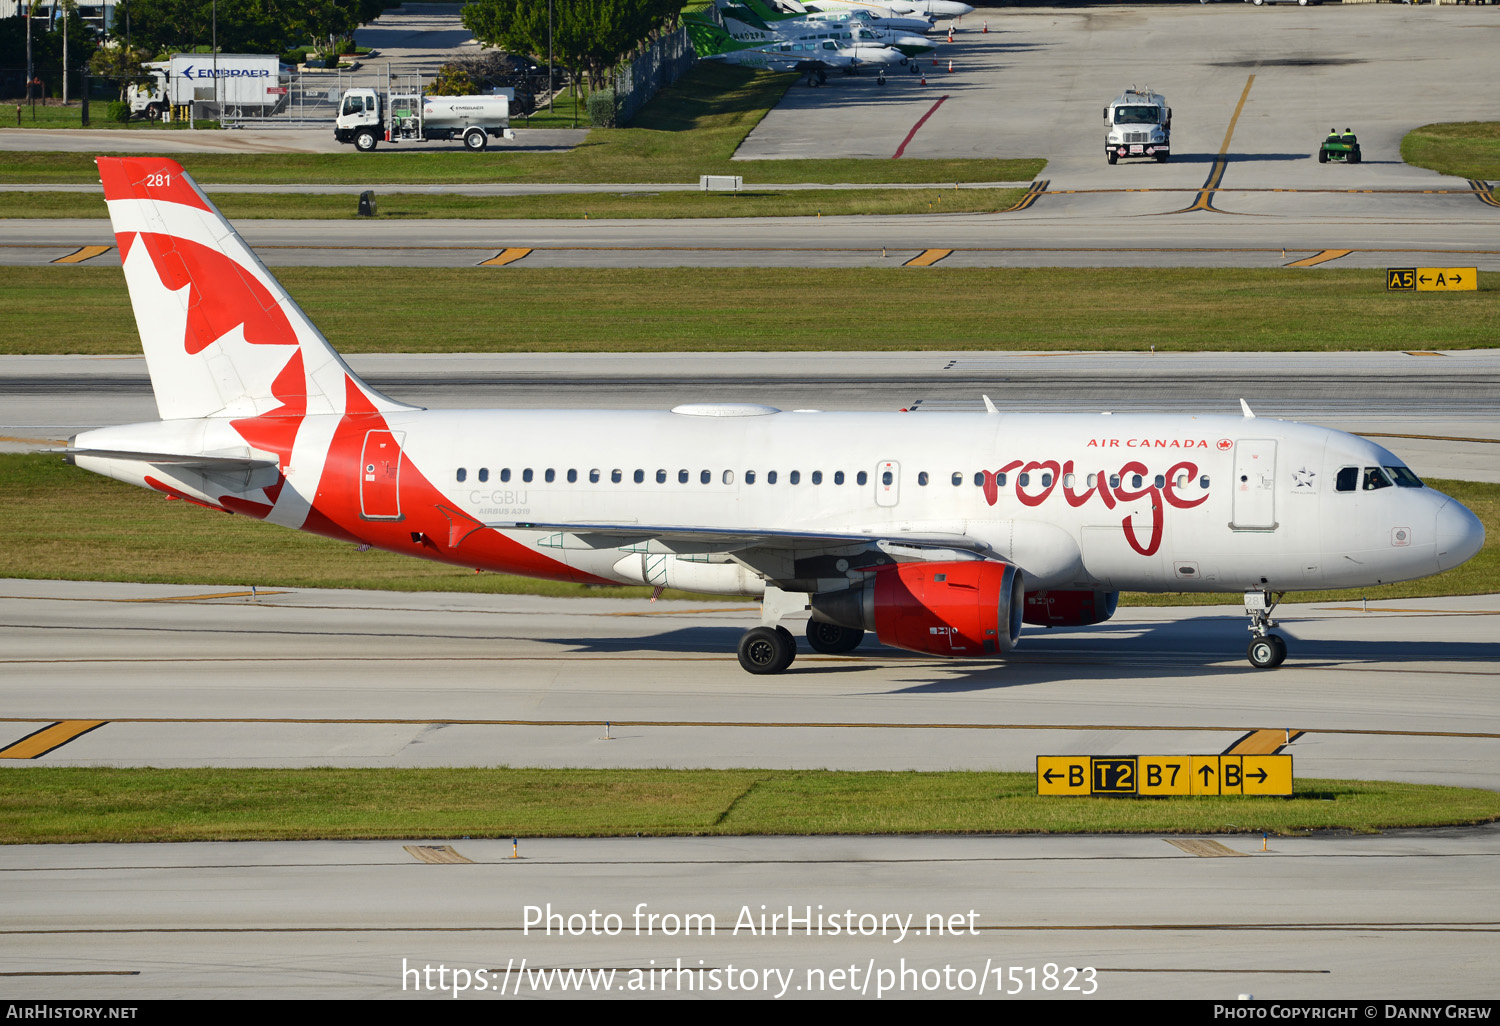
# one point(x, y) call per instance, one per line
point(475, 140)
point(832, 639)
point(1111, 156)
point(365, 141)
point(1266, 652)
point(880, 80)
point(767, 649)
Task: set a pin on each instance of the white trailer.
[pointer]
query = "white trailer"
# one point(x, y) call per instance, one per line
point(240, 83)
point(404, 114)
point(1138, 123)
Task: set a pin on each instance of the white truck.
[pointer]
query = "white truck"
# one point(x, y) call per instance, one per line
point(1138, 123)
point(240, 83)
point(366, 117)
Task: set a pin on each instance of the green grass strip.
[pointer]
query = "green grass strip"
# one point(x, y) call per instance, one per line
point(596, 205)
point(692, 128)
point(68, 309)
point(98, 529)
point(1468, 149)
point(66, 804)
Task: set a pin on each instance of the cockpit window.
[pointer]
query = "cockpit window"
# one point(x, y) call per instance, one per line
point(1347, 480)
point(1404, 477)
point(1375, 478)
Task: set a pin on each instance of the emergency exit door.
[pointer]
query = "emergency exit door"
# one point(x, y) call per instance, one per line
point(380, 476)
point(1254, 485)
point(887, 483)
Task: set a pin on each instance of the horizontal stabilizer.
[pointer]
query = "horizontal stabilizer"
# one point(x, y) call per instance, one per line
point(184, 460)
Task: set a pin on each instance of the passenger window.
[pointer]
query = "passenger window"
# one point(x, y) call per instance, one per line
point(838, 477)
point(817, 477)
point(749, 477)
point(770, 477)
point(661, 477)
point(1203, 482)
point(615, 475)
point(1135, 480)
point(504, 474)
point(640, 477)
point(1161, 481)
point(705, 477)
point(550, 475)
point(1181, 482)
point(728, 477)
point(958, 478)
point(887, 478)
point(682, 477)
point(1000, 480)
point(795, 477)
point(484, 474)
point(1046, 480)
point(462, 473)
point(979, 479)
point(1376, 478)
point(1023, 480)
point(1069, 480)
point(861, 478)
point(526, 475)
point(572, 476)
point(1114, 480)
point(922, 479)
point(1092, 480)
point(594, 476)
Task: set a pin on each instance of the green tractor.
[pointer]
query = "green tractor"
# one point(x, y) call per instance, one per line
point(1342, 146)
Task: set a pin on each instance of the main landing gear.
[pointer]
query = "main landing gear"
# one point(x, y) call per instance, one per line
point(1266, 651)
point(771, 649)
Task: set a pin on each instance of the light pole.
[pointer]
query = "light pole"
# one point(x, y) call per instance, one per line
point(549, 56)
point(30, 73)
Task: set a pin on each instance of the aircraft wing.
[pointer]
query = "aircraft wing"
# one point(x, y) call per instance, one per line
point(682, 540)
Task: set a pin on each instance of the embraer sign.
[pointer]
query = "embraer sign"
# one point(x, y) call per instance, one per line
point(188, 72)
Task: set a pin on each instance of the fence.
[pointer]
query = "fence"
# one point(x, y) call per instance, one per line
point(667, 60)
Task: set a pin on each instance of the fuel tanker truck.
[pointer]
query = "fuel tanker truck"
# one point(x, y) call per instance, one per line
point(404, 114)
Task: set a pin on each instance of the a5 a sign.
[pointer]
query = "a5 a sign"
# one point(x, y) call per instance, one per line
point(1160, 776)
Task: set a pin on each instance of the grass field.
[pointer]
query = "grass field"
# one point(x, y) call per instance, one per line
point(1468, 149)
point(404, 206)
point(75, 805)
point(692, 128)
point(691, 309)
point(97, 529)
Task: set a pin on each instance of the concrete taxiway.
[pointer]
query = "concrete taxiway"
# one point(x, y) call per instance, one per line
point(1148, 916)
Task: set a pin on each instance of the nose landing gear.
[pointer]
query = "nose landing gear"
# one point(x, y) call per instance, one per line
point(1266, 651)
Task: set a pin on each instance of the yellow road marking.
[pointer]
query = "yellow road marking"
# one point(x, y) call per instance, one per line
point(1484, 193)
point(81, 254)
point(39, 743)
point(1038, 188)
point(1205, 200)
point(1203, 849)
point(199, 598)
point(927, 258)
point(1420, 352)
point(506, 256)
point(1320, 258)
point(436, 854)
point(1263, 742)
point(1428, 438)
point(32, 441)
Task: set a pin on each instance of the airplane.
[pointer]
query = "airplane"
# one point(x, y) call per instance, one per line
point(901, 8)
point(816, 56)
point(941, 533)
point(868, 14)
point(850, 35)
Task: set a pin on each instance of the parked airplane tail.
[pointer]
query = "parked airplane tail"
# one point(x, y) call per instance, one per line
point(222, 338)
point(709, 40)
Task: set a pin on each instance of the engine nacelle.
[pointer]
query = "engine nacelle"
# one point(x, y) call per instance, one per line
point(969, 608)
point(1070, 608)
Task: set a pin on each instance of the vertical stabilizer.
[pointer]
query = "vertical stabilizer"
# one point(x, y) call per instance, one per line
point(222, 338)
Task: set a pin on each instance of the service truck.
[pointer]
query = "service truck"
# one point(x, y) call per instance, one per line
point(1138, 123)
point(253, 84)
point(404, 113)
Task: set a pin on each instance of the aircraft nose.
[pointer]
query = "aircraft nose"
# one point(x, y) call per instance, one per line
point(1458, 533)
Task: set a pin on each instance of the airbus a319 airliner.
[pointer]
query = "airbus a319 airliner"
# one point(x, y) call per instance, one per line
point(940, 532)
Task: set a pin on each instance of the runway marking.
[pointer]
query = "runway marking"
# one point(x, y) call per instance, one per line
point(80, 972)
point(1320, 258)
point(83, 253)
point(756, 724)
point(1428, 438)
point(505, 256)
point(436, 854)
point(50, 738)
point(928, 257)
point(199, 598)
point(1205, 200)
point(32, 441)
point(1038, 189)
point(1421, 352)
point(920, 122)
point(1484, 193)
point(1263, 742)
point(1204, 849)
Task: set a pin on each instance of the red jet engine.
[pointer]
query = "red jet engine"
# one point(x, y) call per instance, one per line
point(1070, 608)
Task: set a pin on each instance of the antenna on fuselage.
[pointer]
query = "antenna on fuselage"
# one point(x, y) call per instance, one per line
point(989, 407)
point(1249, 413)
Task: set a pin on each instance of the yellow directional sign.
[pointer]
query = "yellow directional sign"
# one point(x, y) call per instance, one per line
point(1156, 776)
point(1447, 279)
point(1401, 279)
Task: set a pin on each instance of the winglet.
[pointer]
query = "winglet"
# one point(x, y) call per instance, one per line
point(989, 407)
point(1249, 413)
